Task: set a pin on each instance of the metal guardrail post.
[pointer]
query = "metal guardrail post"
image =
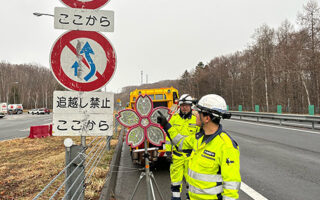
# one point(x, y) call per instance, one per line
point(71, 153)
point(312, 125)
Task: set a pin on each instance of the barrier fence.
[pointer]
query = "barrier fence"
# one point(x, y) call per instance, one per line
point(281, 118)
point(81, 163)
point(309, 109)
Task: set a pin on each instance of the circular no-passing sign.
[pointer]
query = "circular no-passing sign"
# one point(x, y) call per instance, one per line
point(85, 4)
point(82, 60)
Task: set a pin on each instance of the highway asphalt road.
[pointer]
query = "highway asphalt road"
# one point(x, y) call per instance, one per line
point(18, 126)
point(276, 163)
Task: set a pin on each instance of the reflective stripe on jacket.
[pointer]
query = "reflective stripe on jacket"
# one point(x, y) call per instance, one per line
point(214, 165)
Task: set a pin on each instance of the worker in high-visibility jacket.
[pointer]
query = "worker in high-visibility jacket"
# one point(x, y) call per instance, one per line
point(183, 123)
point(214, 164)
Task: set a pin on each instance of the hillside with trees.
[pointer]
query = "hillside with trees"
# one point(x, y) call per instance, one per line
point(280, 67)
point(27, 84)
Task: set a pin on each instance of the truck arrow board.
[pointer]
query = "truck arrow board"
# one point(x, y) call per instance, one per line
point(142, 122)
point(83, 60)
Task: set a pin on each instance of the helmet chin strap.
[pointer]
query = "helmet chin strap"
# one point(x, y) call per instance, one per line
point(202, 124)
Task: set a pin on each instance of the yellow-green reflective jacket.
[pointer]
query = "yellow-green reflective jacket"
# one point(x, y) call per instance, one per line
point(214, 165)
point(183, 127)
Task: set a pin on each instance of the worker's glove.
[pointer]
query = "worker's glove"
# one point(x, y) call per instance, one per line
point(162, 120)
point(169, 156)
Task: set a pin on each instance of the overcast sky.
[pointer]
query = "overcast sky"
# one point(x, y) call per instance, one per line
point(163, 38)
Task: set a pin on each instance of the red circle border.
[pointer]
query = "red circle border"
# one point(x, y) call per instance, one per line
point(66, 81)
point(85, 5)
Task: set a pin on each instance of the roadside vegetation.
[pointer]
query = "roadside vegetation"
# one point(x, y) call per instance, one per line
point(28, 165)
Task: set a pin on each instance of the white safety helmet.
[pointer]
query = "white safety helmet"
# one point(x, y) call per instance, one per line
point(213, 104)
point(185, 99)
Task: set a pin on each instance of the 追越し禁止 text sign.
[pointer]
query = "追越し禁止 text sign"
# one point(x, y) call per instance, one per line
point(82, 113)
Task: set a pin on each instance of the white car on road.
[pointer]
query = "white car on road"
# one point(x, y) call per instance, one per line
point(41, 111)
point(33, 111)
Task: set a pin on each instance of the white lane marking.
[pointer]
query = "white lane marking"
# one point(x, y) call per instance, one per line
point(285, 123)
point(251, 192)
point(276, 126)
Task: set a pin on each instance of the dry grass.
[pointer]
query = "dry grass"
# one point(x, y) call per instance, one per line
point(28, 165)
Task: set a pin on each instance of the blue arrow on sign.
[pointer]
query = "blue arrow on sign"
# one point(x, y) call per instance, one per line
point(75, 66)
point(87, 50)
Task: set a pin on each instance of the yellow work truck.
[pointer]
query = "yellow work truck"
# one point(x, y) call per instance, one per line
point(166, 97)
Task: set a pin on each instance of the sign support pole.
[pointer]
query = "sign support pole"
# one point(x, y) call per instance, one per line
point(149, 178)
point(83, 144)
point(83, 141)
point(74, 173)
point(147, 168)
point(61, 64)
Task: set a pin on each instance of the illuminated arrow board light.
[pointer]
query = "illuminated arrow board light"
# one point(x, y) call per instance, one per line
point(82, 113)
point(83, 19)
point(142, 122)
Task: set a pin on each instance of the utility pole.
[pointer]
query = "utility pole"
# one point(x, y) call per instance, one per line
point(146, 78)
point(141, 77)
point(14, 91)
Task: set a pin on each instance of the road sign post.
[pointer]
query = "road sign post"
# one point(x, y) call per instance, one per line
point(83, 60)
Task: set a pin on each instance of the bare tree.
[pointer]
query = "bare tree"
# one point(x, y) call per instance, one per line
point(309, 19)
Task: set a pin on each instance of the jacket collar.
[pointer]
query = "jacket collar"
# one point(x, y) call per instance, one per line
point(201, 133)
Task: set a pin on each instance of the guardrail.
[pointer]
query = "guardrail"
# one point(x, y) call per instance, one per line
point(81, 163)
point(281, 117)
